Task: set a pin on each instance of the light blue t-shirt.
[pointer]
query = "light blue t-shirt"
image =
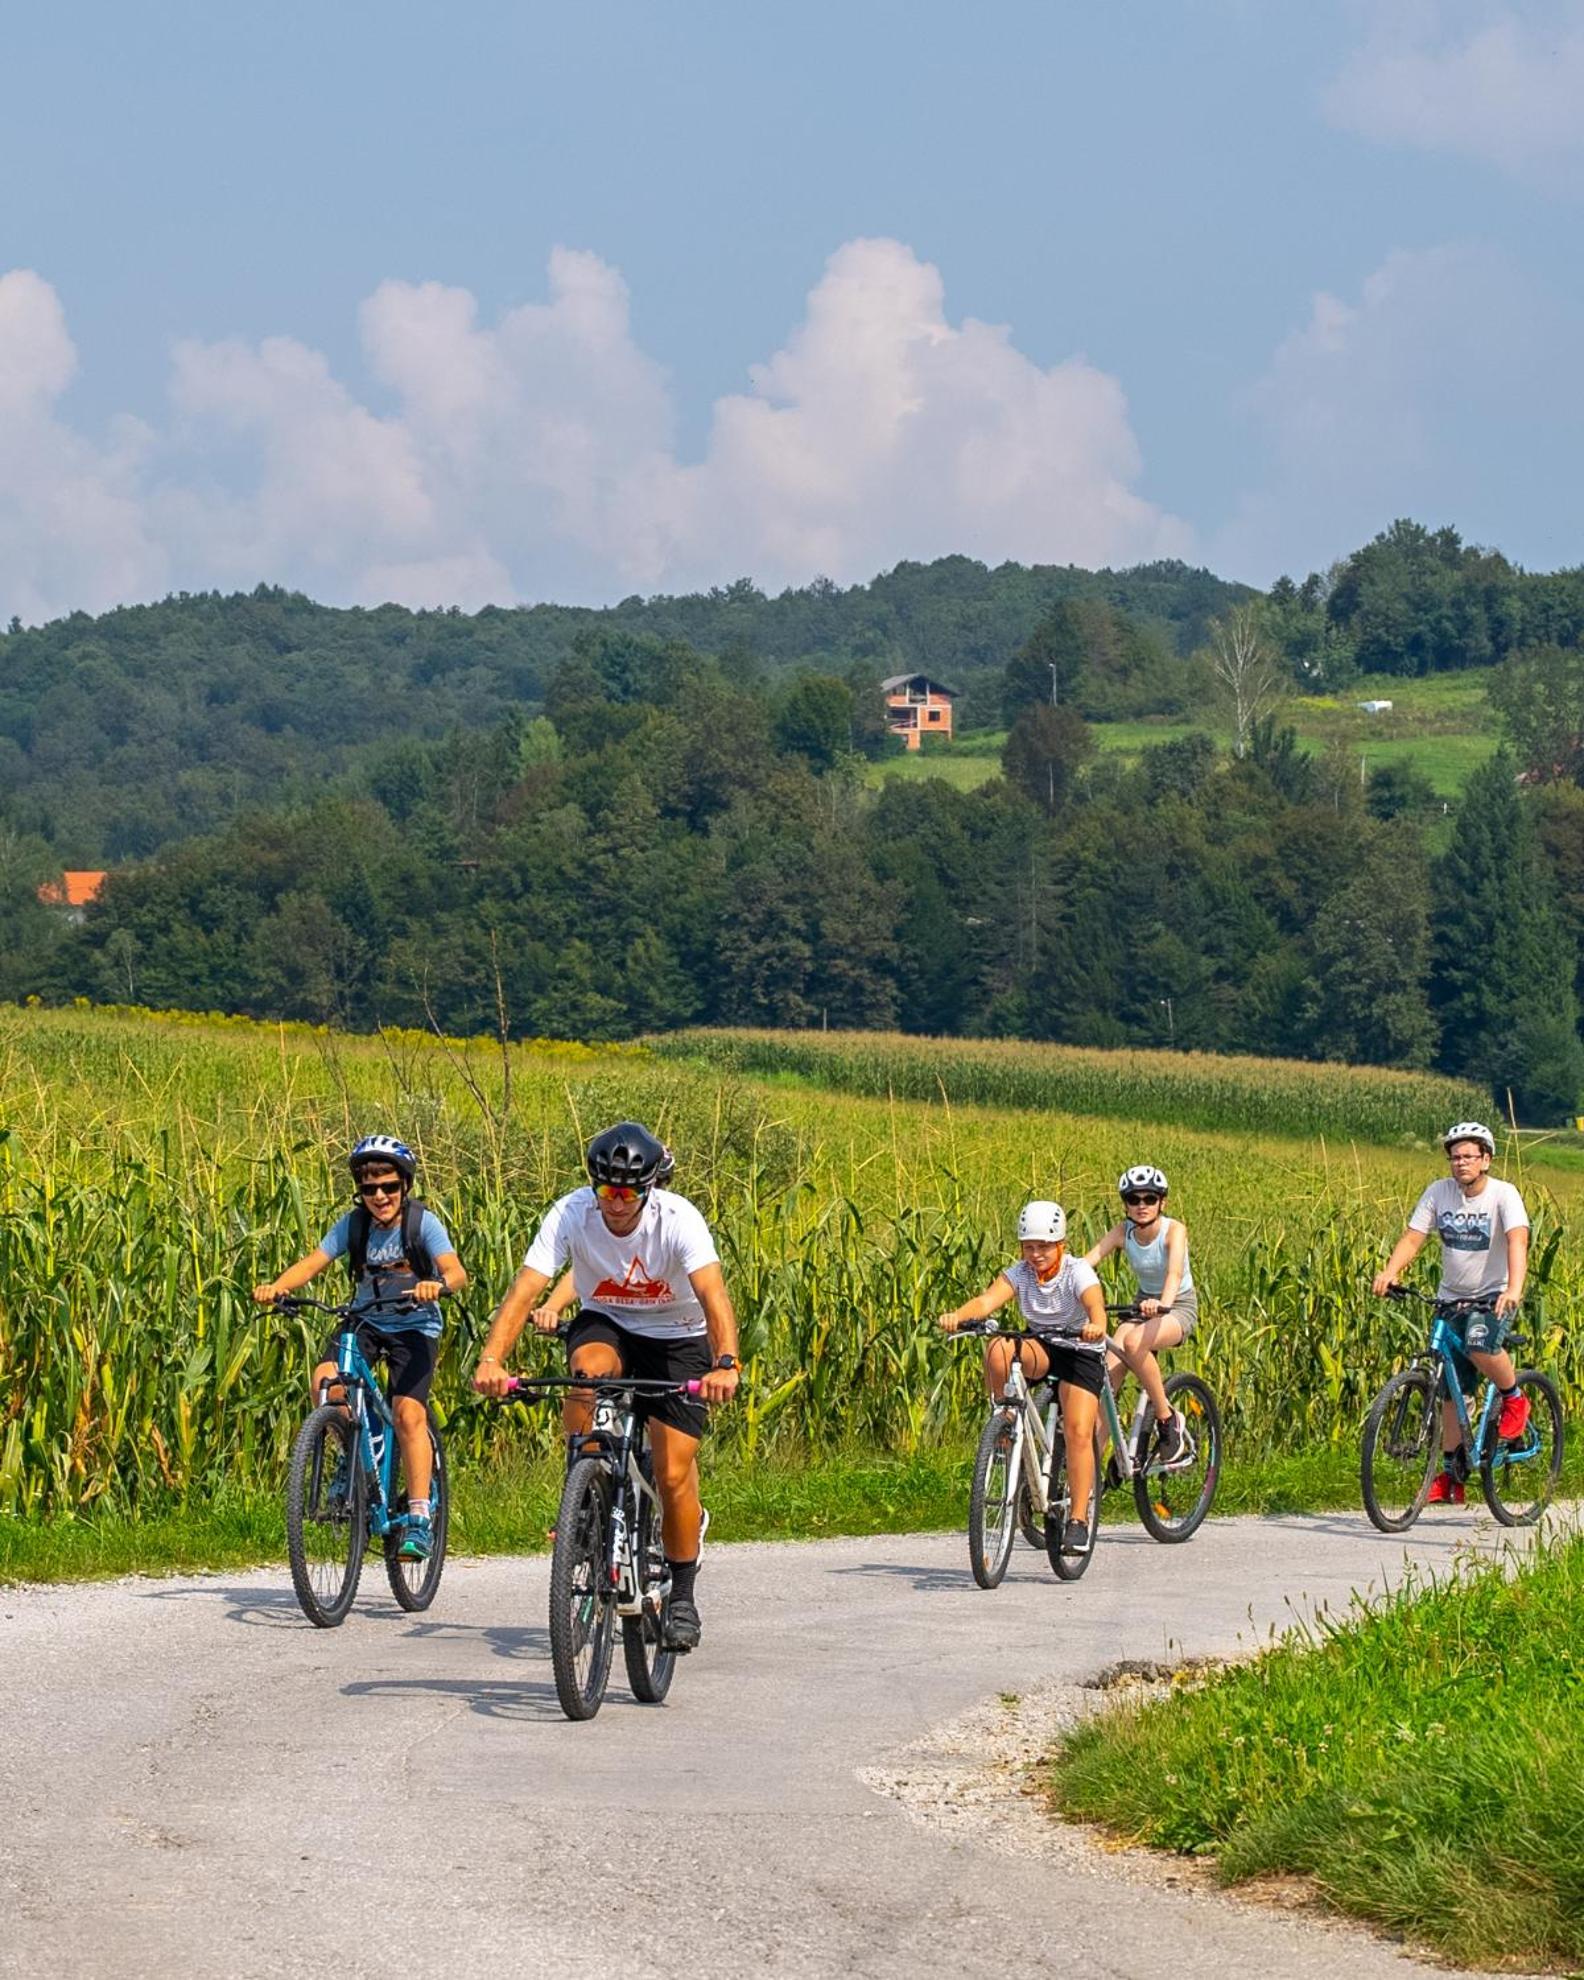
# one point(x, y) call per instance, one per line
point(1149, 1261)
point(388, 1275)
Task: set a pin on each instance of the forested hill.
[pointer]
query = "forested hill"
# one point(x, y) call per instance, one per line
point(121, 733)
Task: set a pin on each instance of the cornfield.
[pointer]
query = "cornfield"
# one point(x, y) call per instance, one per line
point(152, 1172)
point(1191, 1089)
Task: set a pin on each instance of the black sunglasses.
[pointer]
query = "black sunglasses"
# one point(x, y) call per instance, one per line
point(1140, 1196)
point(379, 1189)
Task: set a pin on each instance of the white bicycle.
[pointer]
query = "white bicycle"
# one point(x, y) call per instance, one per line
point(1020, 1480)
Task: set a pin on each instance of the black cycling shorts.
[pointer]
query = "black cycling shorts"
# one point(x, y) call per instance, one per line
point(1081, 1366)
point(684, 1359)
point(410, 1356)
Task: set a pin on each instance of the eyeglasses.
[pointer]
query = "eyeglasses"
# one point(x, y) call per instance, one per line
point(618, 1193)
point(1141, 1196)
point(380, 1189)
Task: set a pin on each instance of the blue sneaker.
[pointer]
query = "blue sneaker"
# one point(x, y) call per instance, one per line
point(417, 1542)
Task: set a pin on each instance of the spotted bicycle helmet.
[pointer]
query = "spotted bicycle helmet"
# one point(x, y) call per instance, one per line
point(1042, 1223)
point(627, 1156)
point(382, 1150)
point(1143, 1177)
point(1470, 1131)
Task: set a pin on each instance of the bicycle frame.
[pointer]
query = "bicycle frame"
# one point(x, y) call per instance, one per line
point(1036, 1435)
point(619, 1437)
point(1477, 1438)
point(365, 1402)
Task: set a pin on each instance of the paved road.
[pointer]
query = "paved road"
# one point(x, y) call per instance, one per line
point(195, 1781)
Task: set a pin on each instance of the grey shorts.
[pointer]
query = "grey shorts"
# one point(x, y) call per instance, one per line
point(1184, 1309)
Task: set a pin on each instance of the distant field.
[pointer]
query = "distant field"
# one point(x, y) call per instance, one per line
point(1441, 725)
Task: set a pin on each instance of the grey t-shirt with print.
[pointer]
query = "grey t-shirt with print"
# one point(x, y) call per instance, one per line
point(1473, 1233)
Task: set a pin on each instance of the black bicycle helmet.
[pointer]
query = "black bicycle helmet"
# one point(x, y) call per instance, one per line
point(628, 1156)
point(384, 1151)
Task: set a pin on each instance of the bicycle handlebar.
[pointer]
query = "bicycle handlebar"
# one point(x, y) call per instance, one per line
point(529, 1388)
point(296, 1303)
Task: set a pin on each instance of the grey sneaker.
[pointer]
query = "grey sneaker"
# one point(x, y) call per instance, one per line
point(1075, 1539)
point(1172, 1440)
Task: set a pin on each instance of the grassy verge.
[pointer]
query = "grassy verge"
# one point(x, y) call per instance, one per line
point(510, 1509)
point(1423, 1763)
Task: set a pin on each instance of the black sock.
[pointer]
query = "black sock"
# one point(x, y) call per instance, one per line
point(1449, 1458)
point(1506, 1393)
point(682, 1573)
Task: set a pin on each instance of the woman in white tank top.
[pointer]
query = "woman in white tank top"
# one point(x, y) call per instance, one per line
point(1156, 1247)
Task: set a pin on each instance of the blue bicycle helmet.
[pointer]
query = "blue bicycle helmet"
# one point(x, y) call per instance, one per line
point(387, 1151)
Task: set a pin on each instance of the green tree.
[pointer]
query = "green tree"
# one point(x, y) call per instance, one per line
point(816, 720)
point(1502, 983)
point(1370, 951)
point(1539, 695)
point(1044, 753)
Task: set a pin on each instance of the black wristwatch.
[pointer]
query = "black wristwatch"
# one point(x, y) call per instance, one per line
point(725, 1361)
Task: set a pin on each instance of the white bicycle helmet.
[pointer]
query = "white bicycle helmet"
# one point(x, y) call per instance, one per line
point(1042, 1223)
point(1470, 1131)
point(1143, 1177)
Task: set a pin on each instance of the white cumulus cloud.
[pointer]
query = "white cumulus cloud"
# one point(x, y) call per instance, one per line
point(1503, 84)
point(536, 456)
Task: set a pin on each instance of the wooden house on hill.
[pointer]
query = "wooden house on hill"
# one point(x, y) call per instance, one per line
point(917, 706)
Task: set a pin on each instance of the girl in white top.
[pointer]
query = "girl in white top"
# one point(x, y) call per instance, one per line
point(1156, 1247)
point(1061, 1302)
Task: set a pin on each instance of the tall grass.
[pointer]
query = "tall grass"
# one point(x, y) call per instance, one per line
point(151, 1173)
point(1422, 1761)
point(1198, 1089)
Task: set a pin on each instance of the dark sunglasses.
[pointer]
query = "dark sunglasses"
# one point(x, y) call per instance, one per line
point(379, 1189)
point(1140, 1196)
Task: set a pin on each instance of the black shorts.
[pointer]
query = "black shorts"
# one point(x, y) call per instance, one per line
point(1081, 1366)
point(411, 1356)
point(684, 1359)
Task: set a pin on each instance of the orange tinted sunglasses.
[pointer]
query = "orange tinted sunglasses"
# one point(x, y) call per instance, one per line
point(619, 1193)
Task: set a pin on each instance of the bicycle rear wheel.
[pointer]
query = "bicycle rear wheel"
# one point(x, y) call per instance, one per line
point(582, 1604)
point(415, 1583)
point(1401, 1448)
point(1519, 1475)
point(1030, 1525)
point(1173, 1503)
point(650, 1666)
point(992, 1503)
point(1060, 1509)
point(325, 1516)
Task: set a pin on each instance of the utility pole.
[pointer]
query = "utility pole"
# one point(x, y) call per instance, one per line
point(1055, 698)
point(1171, 1025)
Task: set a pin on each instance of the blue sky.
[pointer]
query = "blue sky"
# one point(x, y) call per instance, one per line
point(507, 301)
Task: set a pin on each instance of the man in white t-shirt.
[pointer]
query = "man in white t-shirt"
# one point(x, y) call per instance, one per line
point(653, 1305)
point(1062, 1305)
point(1484, 1232)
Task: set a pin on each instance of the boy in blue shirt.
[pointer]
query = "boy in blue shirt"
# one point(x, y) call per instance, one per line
point(396, 1250)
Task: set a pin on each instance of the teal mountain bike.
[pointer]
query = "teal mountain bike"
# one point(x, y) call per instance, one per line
point(1402, 1448)
point(344, 1490)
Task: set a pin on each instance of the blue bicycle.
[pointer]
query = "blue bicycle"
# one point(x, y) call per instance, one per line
point(343, 1490)
point(1403, 1432)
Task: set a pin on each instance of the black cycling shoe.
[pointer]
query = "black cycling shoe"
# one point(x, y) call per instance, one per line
point(1075, 1540)
point(682, 1625)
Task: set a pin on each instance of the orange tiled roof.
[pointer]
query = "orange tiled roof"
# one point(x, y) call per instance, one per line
point(74, 889)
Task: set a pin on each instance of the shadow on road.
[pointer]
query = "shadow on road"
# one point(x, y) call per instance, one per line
point(266, 1607)
point(492, 1700)
point(501, 1641)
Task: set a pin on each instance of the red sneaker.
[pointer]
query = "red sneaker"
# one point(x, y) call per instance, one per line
point(1445, 1490)
point(1514, 1418)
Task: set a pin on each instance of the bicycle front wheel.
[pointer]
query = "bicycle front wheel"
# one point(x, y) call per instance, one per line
point(992, 1503)
point(1173, 1500)
point(1060, 1509)
point(1401, 1449)
point(1519, 1474)
point(325, 1516)
point(582, 1603)
point(415, 1583)
point(650, 1666)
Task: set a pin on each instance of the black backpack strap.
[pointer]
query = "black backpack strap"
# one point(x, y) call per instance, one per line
point(357, 1243)
point(414, 1249)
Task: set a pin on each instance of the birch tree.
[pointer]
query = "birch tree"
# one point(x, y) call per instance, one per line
point(1247, 669)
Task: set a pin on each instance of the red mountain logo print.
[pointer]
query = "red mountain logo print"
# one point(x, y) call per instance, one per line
point(636, 1289)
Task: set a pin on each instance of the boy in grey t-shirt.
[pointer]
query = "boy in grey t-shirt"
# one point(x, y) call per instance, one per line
point(1484, 1233)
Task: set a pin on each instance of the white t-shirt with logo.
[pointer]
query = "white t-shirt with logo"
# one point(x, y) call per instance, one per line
point(640, 1280)
point(1055, 1308)
point(1473, 1233)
